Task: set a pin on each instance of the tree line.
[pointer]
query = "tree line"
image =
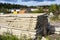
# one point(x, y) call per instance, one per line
point(11, 6)
point(51, 8)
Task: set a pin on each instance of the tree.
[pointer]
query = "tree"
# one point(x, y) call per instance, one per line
point(54, 8)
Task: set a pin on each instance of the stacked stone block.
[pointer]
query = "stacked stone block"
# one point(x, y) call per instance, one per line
point(20, 23)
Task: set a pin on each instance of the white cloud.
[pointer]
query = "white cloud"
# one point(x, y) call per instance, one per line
point(34, 3)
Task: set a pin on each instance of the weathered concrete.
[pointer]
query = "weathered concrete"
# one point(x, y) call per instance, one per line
point(24, 24)
point(19, 24)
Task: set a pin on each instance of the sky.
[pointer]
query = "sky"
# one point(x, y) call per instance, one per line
point(31, 2)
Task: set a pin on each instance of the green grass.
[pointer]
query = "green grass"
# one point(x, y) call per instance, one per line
point(8, 36)
point(54, 18)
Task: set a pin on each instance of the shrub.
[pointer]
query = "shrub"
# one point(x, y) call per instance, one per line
point(58, 38)
point(7, 36)
point(39, 37)
point(55, 18)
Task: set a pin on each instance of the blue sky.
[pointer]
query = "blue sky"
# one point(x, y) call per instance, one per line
point(31, 2)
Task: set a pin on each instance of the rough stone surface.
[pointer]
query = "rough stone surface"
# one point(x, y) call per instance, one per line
point(19, 24)
point(55, 27)
point(24, 24)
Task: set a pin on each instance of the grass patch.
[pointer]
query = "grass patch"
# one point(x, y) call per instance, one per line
point(55, 18)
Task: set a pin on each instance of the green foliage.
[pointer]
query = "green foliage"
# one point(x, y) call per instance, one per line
point(7, 36)
point(58, 38)
point(4, 10)
point(47, 38)
point(55, 18)
point(11, 6)
point(53, 37)
point(53, 8)
point(5, 6)
point(39, 37)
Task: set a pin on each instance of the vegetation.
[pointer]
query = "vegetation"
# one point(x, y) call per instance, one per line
point(58, 38)
point(53, 37)
point(39, 37)
point(55, 18)
point(4, 7)
point(52, 8)
point(8, 36)
point(11, 6)
point(55, 9)
point(40, 10)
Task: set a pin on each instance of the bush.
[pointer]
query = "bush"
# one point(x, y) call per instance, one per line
point(55, 18)
point(53, 37)
point(39, 38)
point(58, 38)
point(7, 36)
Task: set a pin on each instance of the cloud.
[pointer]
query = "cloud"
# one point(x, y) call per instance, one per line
point(10, 0)
point(50, 0)
point(37, 0)
point(32, 2)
